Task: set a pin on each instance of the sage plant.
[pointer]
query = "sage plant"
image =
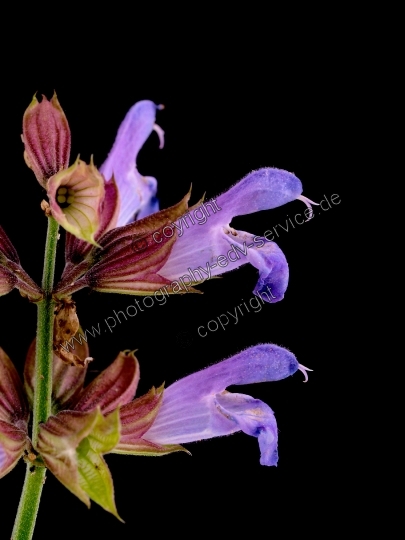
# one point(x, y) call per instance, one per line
point(117, 240)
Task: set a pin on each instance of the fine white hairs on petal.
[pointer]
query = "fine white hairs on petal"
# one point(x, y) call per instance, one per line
point(304, 370)
point(308, 203)
point(161, 135)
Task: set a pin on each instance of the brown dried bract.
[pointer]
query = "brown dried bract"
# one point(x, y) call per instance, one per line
point(65, 328)
point(66, 321)
point(71, 358)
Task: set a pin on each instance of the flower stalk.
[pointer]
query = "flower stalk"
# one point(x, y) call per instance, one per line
point(35, 477)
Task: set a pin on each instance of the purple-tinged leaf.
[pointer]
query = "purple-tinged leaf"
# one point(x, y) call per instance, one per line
point(7, 281)
point(67, 380)
point(71, 445)
point(12, 444)
point(12, 274)
point(146, 226)
point(58, 441)
point(141, 447)
point(136, 418)
point(7, 248)
point(130, 258)
point(13, 407)
point(115, 386)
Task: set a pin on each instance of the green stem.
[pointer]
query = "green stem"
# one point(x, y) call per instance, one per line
point(29, 503)
point(31, 494)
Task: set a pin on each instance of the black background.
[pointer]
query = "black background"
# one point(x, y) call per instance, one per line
point(229, 108)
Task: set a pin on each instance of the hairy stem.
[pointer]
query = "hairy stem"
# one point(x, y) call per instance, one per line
point(29, 503)
point(31, 494)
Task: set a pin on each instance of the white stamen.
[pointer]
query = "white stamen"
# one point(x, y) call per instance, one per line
point(161, 135)
point(308, 203)
point(304, 371)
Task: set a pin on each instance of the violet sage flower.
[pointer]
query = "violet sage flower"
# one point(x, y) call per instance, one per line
point(137, 192)
point(199, 407)
point(173, 249)
point(213, 247)
point(103, 417)
point(128, 194)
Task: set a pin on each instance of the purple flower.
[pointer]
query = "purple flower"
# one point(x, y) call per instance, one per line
point(103, 417)
point(211, 246)
point(199, 407)
point(137, 192)
point(170, 250)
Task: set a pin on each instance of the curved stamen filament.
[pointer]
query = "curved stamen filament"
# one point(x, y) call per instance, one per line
point(304, 370)
point(161, 135)
point(308, 203)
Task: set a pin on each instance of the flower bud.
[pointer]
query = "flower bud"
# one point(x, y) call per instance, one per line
point(46, 137)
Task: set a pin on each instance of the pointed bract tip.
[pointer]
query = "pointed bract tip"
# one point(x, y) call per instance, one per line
point(129, 352)
point(34, 101)
point(189, 191)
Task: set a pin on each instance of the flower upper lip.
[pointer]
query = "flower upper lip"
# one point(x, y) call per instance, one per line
point(137, 192)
